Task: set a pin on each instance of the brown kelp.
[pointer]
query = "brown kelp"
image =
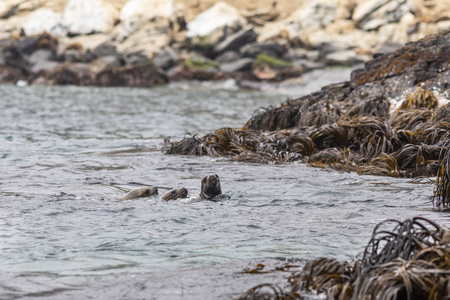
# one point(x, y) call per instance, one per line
point(362, 137)
point(442, 187)
point(403, 260)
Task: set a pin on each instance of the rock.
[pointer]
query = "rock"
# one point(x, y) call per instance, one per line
point(135, 57)
point(70, 74)
point(166, 58)
point(388, 47)
point(89, 16)
point(136, 13)
point(270, 68)
point(146, 10)
point(243, 64)
point(269, 48)
point(236, 41)
point(42, 59)
point(106, 49)
point(344, 58)
point(228, 56)
point(219, 15)
point(207, 27)
point(366, 8)
point(315, 14)
point(44, 20)
point(143, 74)
point(423, 63)
point(294, 54)
point(105, 62)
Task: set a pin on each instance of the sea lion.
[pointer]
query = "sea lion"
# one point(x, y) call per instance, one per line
point(145, 191)
point(210, 187)
point(174, 194)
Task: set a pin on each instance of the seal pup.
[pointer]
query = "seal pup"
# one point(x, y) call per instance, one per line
point(141, 192)
point(174, 194)
point(210, 187)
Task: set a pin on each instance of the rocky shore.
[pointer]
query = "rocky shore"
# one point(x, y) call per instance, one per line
point(390, 119)
point(147, 42)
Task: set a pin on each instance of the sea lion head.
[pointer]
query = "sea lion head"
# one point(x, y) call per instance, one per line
point(210, 186)
point(141, 192)
point(175, 194)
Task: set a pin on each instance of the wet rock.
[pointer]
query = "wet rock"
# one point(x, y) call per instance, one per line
point(270, 48)
point(166, 58)
point(70, 74)
point(243, 64)
point(143, 74)
point(89, 16)
point(236, 41)
point(228, 56)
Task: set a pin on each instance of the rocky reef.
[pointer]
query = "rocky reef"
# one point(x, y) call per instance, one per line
point(390, 119)
point(147, 42)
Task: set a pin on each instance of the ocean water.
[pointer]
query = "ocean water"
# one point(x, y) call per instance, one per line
point(67, 154)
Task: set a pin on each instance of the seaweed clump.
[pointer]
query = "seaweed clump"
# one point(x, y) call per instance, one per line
point(364, 138)
point(409, 261)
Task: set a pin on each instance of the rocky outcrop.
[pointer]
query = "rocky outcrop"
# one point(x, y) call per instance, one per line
point(389, 119)
point(89, 16)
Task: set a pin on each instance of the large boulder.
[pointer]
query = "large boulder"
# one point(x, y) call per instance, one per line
point(142, 74)
point(44, 20)
point(243, 64)
point(136, 13)
point(207, 27)
point(236, 41)
point(89, 16)
point(270, 48)
point(166, 58)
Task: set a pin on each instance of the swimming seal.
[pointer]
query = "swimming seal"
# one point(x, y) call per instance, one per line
point(145, 191)
point(210, 187)
point(174, 194)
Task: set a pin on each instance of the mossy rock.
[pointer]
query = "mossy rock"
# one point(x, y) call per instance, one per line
point(200, 64)
point(272, 62)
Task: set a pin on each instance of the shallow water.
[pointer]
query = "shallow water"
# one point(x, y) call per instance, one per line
point(68, 153)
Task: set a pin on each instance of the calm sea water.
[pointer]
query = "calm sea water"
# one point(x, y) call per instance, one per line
point(68, 153)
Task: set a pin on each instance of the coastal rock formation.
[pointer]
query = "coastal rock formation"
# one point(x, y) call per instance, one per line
point(383, 121)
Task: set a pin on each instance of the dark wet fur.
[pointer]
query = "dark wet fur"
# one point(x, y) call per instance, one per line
point(210, 187)
point(174, 194)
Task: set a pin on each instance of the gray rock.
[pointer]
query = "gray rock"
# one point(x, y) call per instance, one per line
point(294, 54)
point(41, 60)
point(308, 65)
point(269, 48)
point(236, 41)
point(344, 58)
point(243, 64)
point(106, 49)
point(388, 47)
point(228, 56)
point(166, 58)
